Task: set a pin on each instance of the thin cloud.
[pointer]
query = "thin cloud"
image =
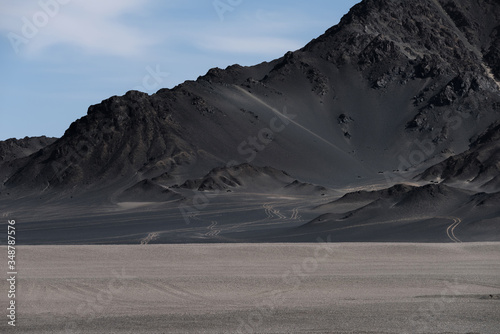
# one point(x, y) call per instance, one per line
point(93, 26)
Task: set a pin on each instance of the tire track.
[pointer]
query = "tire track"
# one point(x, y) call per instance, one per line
point(271, 212)
point(450, 231)
point(213, 231)
point(150, 237)
point(295, 214)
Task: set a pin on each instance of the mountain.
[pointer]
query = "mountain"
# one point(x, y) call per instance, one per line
point(246, 177)
point(406, 213)
point(397, 93)
point(479, 166)
point(148, 191)
point(12, 149)
point(16, 149)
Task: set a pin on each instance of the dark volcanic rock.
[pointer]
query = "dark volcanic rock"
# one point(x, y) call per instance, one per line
point(493, 55)
point(242, 176)
point(148, 191)
point(405, 72)
point(119, 137)
point(12, 149)
point(396, 86)
point(479, 165)
point(394, 192)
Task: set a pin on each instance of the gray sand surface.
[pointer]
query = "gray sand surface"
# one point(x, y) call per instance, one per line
point(258, 288)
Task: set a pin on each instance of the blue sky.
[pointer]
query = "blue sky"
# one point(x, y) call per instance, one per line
point(58, 57)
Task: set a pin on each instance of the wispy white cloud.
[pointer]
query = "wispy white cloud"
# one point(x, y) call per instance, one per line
point(91, 49)
point(265, 33)
point(93, 26)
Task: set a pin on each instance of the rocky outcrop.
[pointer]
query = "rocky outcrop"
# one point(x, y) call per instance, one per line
point(349, 104)
point(12, 149)
point(480, 165)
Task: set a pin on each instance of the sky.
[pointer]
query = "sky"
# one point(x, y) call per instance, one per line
point(58, 57)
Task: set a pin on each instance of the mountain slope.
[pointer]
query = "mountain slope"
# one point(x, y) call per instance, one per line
point(12, 149)
point(16, 149)
point(479, 166)
point(403, 213)
point(418, 74)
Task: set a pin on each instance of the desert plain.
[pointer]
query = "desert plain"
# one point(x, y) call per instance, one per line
point(258, 288)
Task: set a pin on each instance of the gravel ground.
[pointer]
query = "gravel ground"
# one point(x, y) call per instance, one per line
point(257, 288)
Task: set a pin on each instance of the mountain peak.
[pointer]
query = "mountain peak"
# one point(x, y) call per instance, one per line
point(384, 105)
point(411, 71)
point(449, 31)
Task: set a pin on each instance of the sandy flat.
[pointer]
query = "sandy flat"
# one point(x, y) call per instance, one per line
point(258, 288)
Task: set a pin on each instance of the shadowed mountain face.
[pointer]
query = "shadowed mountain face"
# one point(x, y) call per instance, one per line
point(397, 89)
point(242, 176)
point(247, 178)
point(410, 213)
point(479, 166)
point(13, 150)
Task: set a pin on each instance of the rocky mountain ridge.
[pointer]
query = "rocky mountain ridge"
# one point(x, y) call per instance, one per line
point(398, 92)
